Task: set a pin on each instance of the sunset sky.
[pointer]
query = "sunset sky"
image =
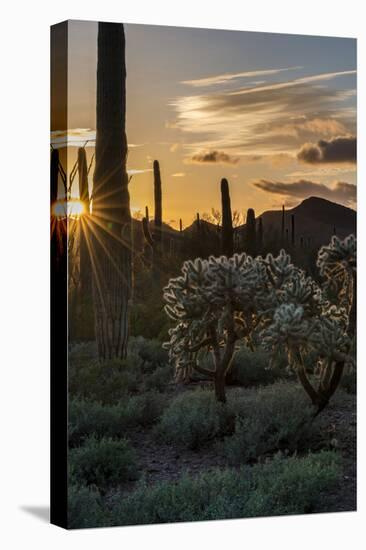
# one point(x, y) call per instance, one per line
point(274, 114)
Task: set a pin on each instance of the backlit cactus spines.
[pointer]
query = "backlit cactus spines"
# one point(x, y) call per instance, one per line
point(337, 265)
point(227, 243)
point(216, 302)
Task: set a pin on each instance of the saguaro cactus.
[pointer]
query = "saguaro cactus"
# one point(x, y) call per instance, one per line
point(111, 201)
point(283, 225)
point(158, 202)
point(292, 229)
point(227, 241)
point(54, 174)
point(85, 265)
point(260, 235)
point(250, 234)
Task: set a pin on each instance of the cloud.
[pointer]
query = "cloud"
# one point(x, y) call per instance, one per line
point(214, 157)
point(276, 118)
point(178, 175)
point(223, 78)
point(134, 171)
point(78, 137)
point(340, 192)
point(339, 149)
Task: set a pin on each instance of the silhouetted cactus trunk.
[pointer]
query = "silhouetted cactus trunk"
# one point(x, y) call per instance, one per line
point(250, 234)
point(111, 201)
point(54, 174)
point(180, 225)
point(85, 265)
point(283, 225)
point(260, 236)
point(292, 229)
point(158, 204)
point(227, 242)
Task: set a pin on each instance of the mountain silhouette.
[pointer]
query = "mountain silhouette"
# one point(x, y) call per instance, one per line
point(316, 220)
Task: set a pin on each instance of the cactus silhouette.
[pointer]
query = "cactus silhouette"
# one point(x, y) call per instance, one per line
point(283, 225)
point(55, 159)
point(85, 264)
point(250, 233)
point(293, 229)
point(112, 281)
point(260, 236)
point(158, 203)
point(227, 242)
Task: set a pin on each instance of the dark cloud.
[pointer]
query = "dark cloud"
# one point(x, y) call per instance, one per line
point(339, 149)
point(214, 157)
point(340, 192)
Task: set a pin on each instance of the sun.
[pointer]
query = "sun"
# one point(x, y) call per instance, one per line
point(71, 208)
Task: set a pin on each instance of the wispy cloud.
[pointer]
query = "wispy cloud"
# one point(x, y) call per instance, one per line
point(340, 192)
point(178, 175)
point(78, 137)
point(226, 77)
point(135, 171)
point(269, 119)
point(337, 150)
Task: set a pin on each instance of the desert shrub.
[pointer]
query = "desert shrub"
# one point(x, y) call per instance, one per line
point(282, 486)
point(85, 508)
point(192, 419)
point(158, 380)
point(106, 382)
point(103, 462)
point(251, 368)
point(271, 418)
point(150, 352)
point(90, 417)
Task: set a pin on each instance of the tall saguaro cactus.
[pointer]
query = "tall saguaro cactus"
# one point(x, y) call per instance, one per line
point(227, 242)
point(260, 236)
point(111, 202)
point(55, 159)
point(283, 225)
point(292, 229)
point(158, 202)
point(250, 234)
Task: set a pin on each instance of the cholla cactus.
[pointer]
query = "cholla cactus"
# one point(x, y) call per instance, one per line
point(213, 304)
point(337, 265)
point(307, 322)
point(220, 302)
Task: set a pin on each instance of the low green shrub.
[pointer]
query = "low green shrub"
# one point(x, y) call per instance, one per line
point(282, 486)
point(251, 368)
point(146, 367)
point(105, 382)
point(192, 419)
point(254, 421)
point(90, 417)
point(85, 508)
point(271, 418)
point(103, 462)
